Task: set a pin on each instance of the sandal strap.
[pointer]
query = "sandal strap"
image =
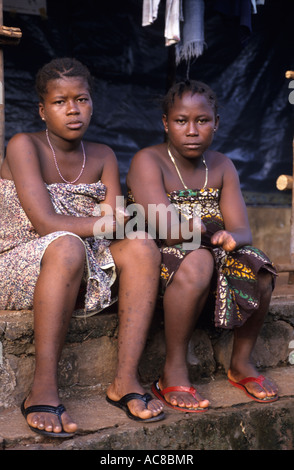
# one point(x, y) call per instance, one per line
point(57, 410)
point(135, 396)
point(259, 380)
point(179, 388)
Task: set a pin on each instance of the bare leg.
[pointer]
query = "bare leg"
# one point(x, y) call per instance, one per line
point(55, 296)
point(244, 341)
point(138, 264)
point(184, 300)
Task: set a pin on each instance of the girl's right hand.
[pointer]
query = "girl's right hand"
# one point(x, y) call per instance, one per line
point(224, 239)
point(121, 215)
point(105, 227)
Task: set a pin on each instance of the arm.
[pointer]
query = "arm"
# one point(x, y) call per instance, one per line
point(23, 161)
point(114, 201)
point(146, 182)
point(237, 231)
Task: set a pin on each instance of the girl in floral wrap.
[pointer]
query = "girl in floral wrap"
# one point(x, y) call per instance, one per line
point(52, 184)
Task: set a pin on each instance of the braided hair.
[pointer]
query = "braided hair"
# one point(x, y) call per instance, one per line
point(60, 68)
point(193, 86)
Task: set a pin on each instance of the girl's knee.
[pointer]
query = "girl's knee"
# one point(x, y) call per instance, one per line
point(145, 248)
point(139, 249)
point(67, 250)
point(265, 281)
point(196, 271)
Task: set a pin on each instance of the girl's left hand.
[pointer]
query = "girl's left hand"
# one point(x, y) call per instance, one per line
point(224, 239)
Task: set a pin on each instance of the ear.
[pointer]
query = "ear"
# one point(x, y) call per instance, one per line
point(165, 124)
point(41, 111)
point(216, 123)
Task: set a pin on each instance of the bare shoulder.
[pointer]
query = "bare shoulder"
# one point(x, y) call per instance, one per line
point(220, 163)
point(101, 152)
point(217, 158)
point(23, 145)
point(101, 162)
point(146, 166)
point(100, 158)
point(22, 138)
point(148, 155)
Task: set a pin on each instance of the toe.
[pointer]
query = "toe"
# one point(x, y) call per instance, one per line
point(139, 409)
point(67, 423)
point(155, 406)
point(266, 389)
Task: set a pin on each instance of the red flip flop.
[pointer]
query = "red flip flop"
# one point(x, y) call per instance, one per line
point(160, 394)
point(260, 379)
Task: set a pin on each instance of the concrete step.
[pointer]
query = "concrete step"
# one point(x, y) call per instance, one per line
point(88, 364)
point(233, 422)
point(89, 355)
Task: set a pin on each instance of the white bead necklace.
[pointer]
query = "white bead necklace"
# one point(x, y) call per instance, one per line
point(56, 164)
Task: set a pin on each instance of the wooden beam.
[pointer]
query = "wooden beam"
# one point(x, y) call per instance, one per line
point(284, 182)
point(289, 74)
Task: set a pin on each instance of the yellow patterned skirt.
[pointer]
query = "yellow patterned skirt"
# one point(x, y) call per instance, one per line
point(234, 285)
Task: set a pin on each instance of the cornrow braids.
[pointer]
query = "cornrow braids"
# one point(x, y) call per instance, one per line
point(59, 68)
point(192, 86)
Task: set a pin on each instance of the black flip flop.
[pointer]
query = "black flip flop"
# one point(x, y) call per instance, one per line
point(122, 404)
point(57, 410)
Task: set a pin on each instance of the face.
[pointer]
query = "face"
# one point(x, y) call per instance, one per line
point(67, 107)
point(190, 125)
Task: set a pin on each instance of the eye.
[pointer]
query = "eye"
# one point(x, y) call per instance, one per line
point(83, 99)
point(180, 121)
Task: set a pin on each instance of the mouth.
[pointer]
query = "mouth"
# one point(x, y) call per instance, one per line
point(192, 145)
point(74, 125)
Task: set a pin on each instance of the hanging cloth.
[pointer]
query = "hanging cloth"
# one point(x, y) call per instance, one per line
point(172, 18)
point(184, 25)
point(172, 22)
point(150, 11)
point(192, 42)
point(255, 3)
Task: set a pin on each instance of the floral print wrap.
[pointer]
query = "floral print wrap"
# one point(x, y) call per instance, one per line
point(22, 248)
point(234, 284)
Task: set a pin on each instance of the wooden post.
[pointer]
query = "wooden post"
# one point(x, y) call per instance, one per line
point(2, 110)
point(11, 36)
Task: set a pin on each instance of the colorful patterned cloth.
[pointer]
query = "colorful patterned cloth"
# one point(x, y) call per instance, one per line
point(21, 248)
point(235, 284)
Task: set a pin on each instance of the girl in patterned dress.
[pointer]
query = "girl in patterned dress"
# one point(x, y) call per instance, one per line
point(201, 183)
point(51, 187)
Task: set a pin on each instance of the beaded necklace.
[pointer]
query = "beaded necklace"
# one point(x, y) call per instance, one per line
point(56, 164)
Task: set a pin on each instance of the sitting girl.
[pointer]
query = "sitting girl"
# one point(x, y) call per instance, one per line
point(184, 172)
point(51, 187)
